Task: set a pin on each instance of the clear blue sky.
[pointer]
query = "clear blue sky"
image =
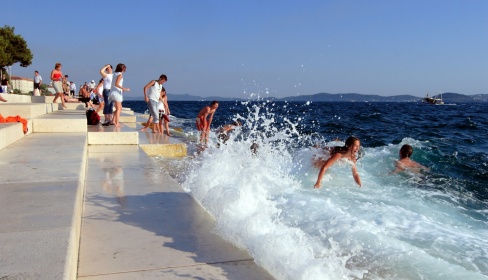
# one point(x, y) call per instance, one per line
point(270, 48)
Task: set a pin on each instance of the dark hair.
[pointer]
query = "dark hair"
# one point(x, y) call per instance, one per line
point(101, 81)
point(214, 102)
point(163, 89)
point(163, 77)
point(406, 151)
point(349, 142)
point(120, 67)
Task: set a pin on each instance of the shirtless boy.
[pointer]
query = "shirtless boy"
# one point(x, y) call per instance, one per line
point(226, 129)
point(204, 119)
point(405, 163)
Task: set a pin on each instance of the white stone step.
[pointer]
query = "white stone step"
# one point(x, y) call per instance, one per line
point(26, 110)
point(10, 133)
point(61, 121)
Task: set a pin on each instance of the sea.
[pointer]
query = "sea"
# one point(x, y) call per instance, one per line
point(431, 225)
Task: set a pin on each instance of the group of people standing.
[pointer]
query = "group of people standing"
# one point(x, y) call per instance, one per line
point(110, 88)
point(112, 83)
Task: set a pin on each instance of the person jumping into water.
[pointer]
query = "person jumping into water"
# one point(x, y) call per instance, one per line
point(204, 119)
point(348, 151)
point(226, 129)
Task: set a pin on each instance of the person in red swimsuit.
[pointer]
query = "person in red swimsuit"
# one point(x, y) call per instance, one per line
point(56, 77)
point(204, 119)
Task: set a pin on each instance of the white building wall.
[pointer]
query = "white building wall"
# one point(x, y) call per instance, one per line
point(25, 85)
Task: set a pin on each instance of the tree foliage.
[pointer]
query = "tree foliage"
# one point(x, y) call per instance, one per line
point(13, 48)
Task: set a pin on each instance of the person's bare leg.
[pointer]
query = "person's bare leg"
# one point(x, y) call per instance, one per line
point(202, 137)
point(62, 100)
point(207, 132)
point(155, 128)
point(160, 125)
point(147, 123)
point(118, 107)
point(166, 125)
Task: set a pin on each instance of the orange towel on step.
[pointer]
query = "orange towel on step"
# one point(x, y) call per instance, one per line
point(15, 119)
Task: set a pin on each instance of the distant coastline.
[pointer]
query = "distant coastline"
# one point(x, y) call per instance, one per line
point(448, 97)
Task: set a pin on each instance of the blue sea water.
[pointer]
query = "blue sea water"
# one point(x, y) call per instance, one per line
point(397, 226)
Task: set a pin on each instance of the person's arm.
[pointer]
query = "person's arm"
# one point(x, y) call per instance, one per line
point(324, 168)
point(52, 75)
point(166, 107)
point(228, 128)
point(96, 89)
point(355, 174)
point(210, 120)
point(421, 167)
point(40, 81)
point(117, 83)
point(150, 84)
point(398, 167)
point(103, 71)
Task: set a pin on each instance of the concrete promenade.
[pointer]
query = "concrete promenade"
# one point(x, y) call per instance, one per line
point(75, 210)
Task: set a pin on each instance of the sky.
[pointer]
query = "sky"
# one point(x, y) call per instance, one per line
point(261, 48)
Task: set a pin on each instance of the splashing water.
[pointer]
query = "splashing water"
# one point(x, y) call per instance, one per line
point(401, 226)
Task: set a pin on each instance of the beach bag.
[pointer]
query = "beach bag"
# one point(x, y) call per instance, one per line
point(92, 117)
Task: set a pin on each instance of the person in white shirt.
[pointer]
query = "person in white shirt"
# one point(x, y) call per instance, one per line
point(72, 88)
point(152, 95)
point(92, 85)
point(37, 80)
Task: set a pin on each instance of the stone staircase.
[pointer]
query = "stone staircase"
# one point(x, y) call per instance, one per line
point(43, 183)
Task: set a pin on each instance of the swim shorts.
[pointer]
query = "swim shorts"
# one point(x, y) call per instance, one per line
point(201, 124)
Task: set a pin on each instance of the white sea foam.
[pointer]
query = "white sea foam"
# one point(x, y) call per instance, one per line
point(400, 226)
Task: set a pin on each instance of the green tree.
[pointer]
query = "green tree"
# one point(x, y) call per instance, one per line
point(13, 48)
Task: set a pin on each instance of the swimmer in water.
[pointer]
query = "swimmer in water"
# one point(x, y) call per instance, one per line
point(348, 151)
point(405, 163)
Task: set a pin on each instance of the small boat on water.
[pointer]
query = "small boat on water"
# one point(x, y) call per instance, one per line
point(433, 100)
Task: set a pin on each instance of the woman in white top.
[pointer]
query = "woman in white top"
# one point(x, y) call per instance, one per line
point(99, 95)
point(108, 109)
point(116, 91)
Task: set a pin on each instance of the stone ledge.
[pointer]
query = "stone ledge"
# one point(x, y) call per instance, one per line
point(165, 150)
point(113, 138)
point(26, 110)
point(60, 121)
point(41, 208)
point(10, 133)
